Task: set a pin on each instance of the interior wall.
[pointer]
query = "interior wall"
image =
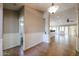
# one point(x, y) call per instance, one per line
point(1, 24)
point(10, 29)
point(21, 27)
point(33, 26)
point(47, 21)
point(77, 42)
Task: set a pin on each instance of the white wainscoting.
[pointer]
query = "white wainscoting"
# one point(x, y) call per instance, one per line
point(45, 38)
point(0, 47)
point(32, 39)
point(10, 40)
point(77, 44)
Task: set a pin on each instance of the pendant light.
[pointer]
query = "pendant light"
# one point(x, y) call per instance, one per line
point(53, 8)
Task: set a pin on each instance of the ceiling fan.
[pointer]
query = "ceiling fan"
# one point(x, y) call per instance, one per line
point(70, 20)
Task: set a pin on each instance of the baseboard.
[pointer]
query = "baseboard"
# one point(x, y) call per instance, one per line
point(12, 47)
point(32, 47)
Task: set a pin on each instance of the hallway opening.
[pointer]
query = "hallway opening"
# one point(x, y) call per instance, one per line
point(60, 31)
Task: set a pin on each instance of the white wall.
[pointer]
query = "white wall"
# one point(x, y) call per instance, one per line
point(11, 40)
point(77, 41)
point(61, 17)
point(21, 27)
point(1, 23)
point(46, 35)
point(10, 29)
point(33, 26)
point(32, 39)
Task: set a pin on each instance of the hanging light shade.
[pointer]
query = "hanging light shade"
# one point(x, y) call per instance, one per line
point(52, 9)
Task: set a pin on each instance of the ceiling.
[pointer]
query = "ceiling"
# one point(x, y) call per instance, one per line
point(12, 6)
point(39, 6)
point(44, 6)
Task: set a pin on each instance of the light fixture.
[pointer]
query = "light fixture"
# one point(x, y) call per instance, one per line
point(52, 9)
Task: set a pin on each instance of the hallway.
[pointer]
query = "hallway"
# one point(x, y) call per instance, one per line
point(52, 29)
point(56, 47)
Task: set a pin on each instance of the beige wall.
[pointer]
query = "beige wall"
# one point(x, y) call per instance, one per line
point(33, 26)
point(1, 24)
point(10, 29)
point(10, 22)
point(34, 21)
